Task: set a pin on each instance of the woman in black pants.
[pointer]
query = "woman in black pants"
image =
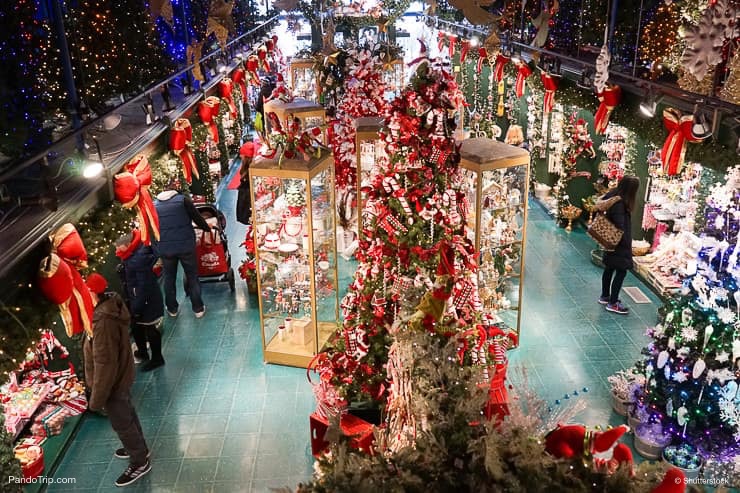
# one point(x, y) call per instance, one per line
point(619, 204)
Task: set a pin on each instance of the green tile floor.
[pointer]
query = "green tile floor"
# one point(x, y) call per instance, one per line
point(218, 419)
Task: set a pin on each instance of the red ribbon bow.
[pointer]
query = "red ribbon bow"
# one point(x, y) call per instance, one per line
point(451, 46)
point(441, 40)
point(252, 66)
point(225, 90)
point(181, 138)
point(238, 78)
point(679, 133)
point(208, 112)
point(498, 69)
point(550, 81)
point(464, 48)
point(522, 72)
point(609, 98)
point(62, 284)
point(482, 56)
point(132, 190)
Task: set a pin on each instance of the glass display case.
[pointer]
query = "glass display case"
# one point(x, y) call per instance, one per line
point(304, 81)
point(496, 181)
point(393, 77)
point(310, 114)
point(370, 150)
point(295, 239)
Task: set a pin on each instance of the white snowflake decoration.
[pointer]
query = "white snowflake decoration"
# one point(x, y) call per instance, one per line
point(705, 41)
point(689, 333)
point(722, 376)
point(722, 357)
point(680, 377)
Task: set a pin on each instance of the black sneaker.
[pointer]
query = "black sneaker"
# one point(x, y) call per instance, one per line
point(133, 473)
point(122, 453)
point(140, 356)
point(152, 364)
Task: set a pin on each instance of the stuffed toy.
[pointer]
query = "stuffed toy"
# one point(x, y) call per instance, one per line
point(572, 441)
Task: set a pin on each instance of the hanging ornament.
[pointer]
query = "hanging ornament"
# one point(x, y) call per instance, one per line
point(662, 359)
point(602, 67)
point(542, 24)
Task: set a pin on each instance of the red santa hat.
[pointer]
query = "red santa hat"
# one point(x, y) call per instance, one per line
point(96, 283)
point(247, 150)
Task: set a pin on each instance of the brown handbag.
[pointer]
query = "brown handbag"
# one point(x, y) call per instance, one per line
point(603, 231)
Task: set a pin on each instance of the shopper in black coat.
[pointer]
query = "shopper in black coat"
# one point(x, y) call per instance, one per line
point(619, 204)
point(143, 295)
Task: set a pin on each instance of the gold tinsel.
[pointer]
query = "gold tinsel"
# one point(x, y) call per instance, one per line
point(731, 90)
point(688, 82)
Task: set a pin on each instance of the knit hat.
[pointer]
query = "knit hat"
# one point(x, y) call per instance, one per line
point(96, 283)
point(247, 150)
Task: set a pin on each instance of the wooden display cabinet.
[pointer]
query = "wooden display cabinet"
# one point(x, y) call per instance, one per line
point(294, 220)
point(496, 178)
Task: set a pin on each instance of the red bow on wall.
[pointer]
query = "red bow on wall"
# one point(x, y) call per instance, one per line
point(464, 48)
point(181, 138)
point(451, 46)
point(482, 56)
point(498, 69)
point(679, 133)
point(550, 81)
point(238, 78)
point(208, 111)
point(132, 190)
point(252, 66)
point(62, 284)
point(225, 90)
point(609, 98)
point(522, 72)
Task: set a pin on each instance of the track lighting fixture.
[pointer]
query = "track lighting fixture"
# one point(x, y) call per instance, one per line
point(649, 105)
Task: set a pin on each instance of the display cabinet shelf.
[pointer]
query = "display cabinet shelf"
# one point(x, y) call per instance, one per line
point(496, 179)
point(297, 277)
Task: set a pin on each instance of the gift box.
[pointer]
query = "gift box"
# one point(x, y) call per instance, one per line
point(303, 331)
point(31, 458)
point(360, 433)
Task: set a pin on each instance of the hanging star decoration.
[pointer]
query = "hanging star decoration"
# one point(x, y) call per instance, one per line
point(327, 39)
point(161, 8)
point(220, 21)
point(542, 23)
point(432, 9)
point(192, 56)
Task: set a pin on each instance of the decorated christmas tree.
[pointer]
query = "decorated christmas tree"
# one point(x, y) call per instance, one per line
point(692, 385)
point(9, 465)
point(363, 97)
point(415, 264)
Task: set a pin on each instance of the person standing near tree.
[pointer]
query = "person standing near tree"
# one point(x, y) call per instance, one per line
point(177, 245)
point(144, 297)
point(618, 204)
point(109, 371)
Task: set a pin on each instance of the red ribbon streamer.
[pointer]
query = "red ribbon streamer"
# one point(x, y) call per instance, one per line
point(679, 133)
point(181, 138)
point(132, 190)
point(226, 90)
point(441, 38)
point(550, 82)
point(522, 72)
point(451, 46)
point(238, 78)
point(609, 98)
point(498, 69)
point(464, 48)
point(208, 111)
point(252, 66)
point(482, 56)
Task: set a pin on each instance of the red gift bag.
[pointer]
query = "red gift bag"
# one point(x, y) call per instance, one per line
point(211, 254)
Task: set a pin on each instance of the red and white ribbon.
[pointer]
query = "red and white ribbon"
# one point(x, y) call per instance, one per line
point(482, 56)
point(679, 133)
point(609, 98)
point(208, 112)
point(449, 201)
point(498, 68)
point(181, 138)
point(391, 186)
point(522, 72)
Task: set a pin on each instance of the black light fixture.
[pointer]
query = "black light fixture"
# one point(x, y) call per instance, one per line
point(702, 128)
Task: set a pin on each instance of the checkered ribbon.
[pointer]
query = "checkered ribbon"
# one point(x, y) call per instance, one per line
point(393, 226)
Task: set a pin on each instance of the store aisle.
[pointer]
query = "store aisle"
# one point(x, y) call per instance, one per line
point(219, 419)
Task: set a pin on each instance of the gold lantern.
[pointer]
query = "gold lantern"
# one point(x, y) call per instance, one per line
point(496, 180)
point(310, 114)
point(296, 251)
point(304, 80)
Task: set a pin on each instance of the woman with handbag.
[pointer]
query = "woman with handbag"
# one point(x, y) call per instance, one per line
point(618, 205)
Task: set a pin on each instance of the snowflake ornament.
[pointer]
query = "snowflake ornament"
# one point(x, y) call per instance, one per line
point(722, 357)
point(705, 41)
point(689, 334)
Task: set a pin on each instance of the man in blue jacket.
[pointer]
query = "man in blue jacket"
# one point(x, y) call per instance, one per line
point(138, 277)
point(177, 244)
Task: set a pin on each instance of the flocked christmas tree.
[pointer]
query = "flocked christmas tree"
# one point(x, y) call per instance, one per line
point(692, 368)
point(415, 263)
